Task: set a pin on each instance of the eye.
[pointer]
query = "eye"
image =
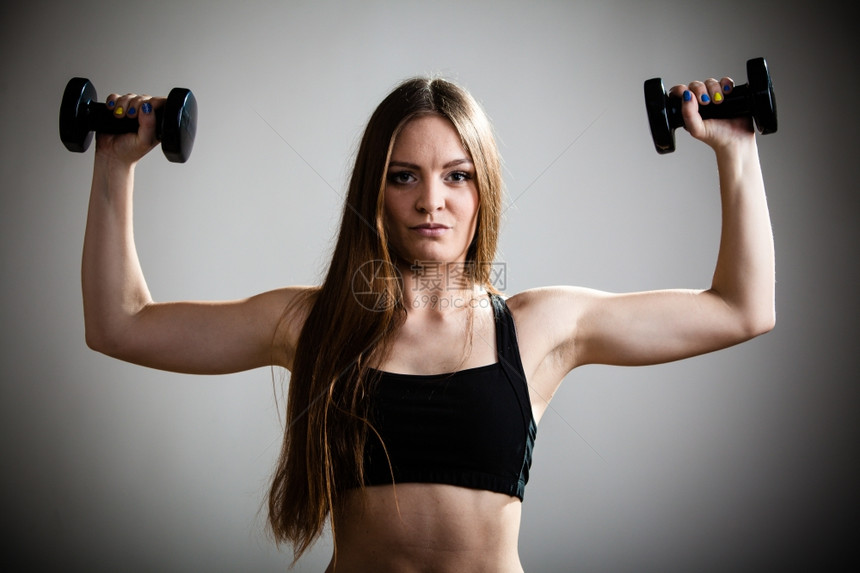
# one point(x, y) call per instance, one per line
point(400, 177)
point(459, 176)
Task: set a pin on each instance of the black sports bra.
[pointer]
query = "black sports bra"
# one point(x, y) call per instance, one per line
point(472, 428)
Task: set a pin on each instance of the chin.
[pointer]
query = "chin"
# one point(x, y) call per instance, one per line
point(435, 256)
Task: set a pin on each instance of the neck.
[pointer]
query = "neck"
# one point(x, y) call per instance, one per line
point(438, 288)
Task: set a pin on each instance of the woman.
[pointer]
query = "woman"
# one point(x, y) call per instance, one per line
point(416, 388)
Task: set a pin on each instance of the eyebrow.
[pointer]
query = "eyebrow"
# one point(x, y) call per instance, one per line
point(452, 163)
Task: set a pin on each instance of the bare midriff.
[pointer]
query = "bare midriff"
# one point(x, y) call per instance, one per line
point(416, 527)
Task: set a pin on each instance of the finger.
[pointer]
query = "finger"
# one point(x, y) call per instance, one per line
point(121, 105)
point(677, 91)
point(132, 105)
point(138, 105)
point(715, 90)
point(690, 97)
point(143, 108)
point(700, 91)
point(110, 101)
point(154, 102)
point(727, 84)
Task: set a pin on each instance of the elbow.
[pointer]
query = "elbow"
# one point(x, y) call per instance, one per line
point(770, 322)
point(748, 318)
point(763, 327)
point(112, 334)
point(108, 331)
point(96, 339)
point(101, 339)
point(759, 323)
point(95, 326)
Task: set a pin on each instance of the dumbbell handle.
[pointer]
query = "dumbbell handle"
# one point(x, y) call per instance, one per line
point(736, 103)
point(101, 119)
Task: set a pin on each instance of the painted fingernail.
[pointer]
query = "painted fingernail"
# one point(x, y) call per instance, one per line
point(118, 111)
point(146, 108)
point(727, 88)
point(688, 95)
point(131, 111)
point(718, 97)
point(705, 98)
point(111, 103)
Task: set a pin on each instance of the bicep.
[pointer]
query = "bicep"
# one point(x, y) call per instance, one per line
point(652, 327)
point(211, 337)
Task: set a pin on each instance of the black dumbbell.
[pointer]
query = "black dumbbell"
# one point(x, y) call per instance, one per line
point(754, 98)
point(81, 115)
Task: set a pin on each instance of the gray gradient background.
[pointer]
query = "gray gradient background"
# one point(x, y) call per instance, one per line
point(743, 460)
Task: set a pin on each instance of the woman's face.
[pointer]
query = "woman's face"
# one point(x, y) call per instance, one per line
point(431, 199)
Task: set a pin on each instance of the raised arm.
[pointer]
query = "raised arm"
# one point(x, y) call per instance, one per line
point(121, 318)
point(575, 326)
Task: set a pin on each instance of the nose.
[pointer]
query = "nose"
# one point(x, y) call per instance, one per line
point(431, 197)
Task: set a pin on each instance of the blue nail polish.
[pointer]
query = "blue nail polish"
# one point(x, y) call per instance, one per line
point(146, 108)
point(131, 111)
point(727, 88)
point(111, 104)
point(687, 95)
point(705, 98)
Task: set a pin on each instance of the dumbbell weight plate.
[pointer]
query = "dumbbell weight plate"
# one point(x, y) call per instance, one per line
point(179, 125)
point(764, 102)
point(660, 116)
point(74, 130)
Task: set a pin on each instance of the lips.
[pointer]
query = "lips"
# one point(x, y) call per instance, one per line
point(431, 229)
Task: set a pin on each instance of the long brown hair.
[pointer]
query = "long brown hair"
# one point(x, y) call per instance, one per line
point(343, 335)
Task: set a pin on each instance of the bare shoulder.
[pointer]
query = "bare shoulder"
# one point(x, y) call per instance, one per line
point(547, 320)
point(550, 303)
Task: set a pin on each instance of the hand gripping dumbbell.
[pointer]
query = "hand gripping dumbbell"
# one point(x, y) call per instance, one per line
point(81, 115)
point(754, 98)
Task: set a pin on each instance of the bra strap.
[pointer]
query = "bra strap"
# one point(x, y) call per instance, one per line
point(506, 337)
point(509, 357)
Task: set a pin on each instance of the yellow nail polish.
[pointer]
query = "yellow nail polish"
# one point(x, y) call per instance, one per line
point(118, 110)
point(718, 97)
